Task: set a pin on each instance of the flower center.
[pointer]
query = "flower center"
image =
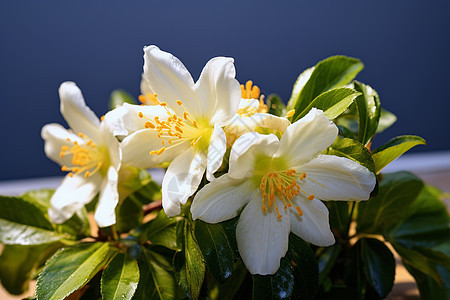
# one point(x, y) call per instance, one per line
point(250, 91)
point(175, 130)
point(278, 182)
point(87, 159)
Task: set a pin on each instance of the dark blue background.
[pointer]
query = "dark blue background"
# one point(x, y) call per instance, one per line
point(405, 46)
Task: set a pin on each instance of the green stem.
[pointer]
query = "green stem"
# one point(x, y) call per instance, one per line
point(350, 218)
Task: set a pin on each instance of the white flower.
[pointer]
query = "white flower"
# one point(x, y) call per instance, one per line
point(91, 155)
point(279, 184)
point(185, 125)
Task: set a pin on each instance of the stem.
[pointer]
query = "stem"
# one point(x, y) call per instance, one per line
point(152, 206)
point(350, 219)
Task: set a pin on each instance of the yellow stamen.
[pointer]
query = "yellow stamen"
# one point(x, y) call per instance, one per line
point(290, 113)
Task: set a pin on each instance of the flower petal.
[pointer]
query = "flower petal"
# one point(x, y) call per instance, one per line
point(112, 144)
point(240, 125)
point(169, 78)
point(222, 199)
point(313, 226)
point(262, 238)
point(74, 110)
point(182, 179)
point(105, 214)
point(307, 137)
point(216, 151)
point(137, 146)
point(244, 151)
point(55, 136)
point(331, 177)
point(218, 90)
point(73, 193)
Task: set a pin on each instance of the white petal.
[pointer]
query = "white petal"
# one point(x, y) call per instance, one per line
point(307, 137)
point(112, 144)
point(74, 110)
point(249, 104)
point(330, 177)
point(245, 150)
point(131, 120)
point(115, 121)
point(145, 87)
point(216, 151)
point(182, 179)
point(313, 226)
point(262, 238)
point(298, 86)
point(222, 199)
point(137, 146)
point(55, 136)
point(170, 80)
point(73, 193)
point(218, 90)
point(105, 214)
point(240, 125)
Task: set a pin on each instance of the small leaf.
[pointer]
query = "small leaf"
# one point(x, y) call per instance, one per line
point(118, 97)
point(353, 150)
point(387, 119)
point(157, 279)
point(396, 192)
point(379, 265)
point(120, 278)
point(385, 154)
point(276, 106)
point(333, 72)
point(160, 231)
point(333, 103)
point(71, 268)
point(305, 268)
point(368, 105)
point(277, 286)
point(189, 265)
point(218, 251)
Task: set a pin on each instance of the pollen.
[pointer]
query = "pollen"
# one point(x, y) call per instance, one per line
point(149, 99)
point(250, 91)
point(282, 186)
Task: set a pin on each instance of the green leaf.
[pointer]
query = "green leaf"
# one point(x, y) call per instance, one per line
point(118, 97)
point(18, 264)
point(305, 267)
point(378, 265)
point(333, 72)
point(40, 198)
point(129, 215)
point(277, 286)
point(368, 105)
point(120, 278)
point(148, 193)
point(353, 150)
point(428, 288)
point(71, 268)
point(157, 279)
point(339, 215)
point(327, 260)
point(23, 223)
point(132, 179)
point(217, 249)
point(188, 263)
point(276, 106)
point(396, 192)
point(160, 231)
point(387, 119)
point(386, 153)
point(333, 103)
point(230, 288)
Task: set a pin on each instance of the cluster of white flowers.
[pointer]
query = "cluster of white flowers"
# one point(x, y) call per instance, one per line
point(276, 178)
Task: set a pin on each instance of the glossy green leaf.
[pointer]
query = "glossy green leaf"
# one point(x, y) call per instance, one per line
point(333, 72)
point(18, 264)
point(129, 215)
point(353, 150)
point(277, 286)
point(148, 193)
point(157, 279)
point(24, 223)
point(396, 193)
point(386, 153)
point(120, 278)
point(217, 249)
point(160, 231)
point(428, 288)
point(305, 268)
point(327, 260)
point(368, 105)
point(333, 103)
point(387, 119)
point(230, 288)
point(378, 264)
point(188, 263)
point(40, 198)
point(71, 268)
point(118, 97)
point(276, 106)
point(132, 179)
point(339, 215)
